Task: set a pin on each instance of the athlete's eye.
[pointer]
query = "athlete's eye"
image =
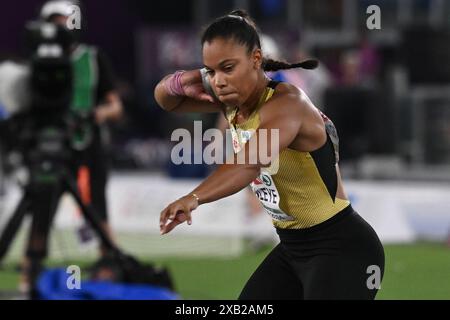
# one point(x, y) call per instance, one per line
point(228, 68)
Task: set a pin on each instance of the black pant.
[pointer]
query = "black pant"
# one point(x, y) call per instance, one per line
point(341, 258)
point(44, 210)
point(95, 159)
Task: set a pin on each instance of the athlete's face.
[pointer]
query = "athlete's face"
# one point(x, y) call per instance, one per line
point(232, 70)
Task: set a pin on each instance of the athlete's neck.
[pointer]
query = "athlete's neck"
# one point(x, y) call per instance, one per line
point(253, 100)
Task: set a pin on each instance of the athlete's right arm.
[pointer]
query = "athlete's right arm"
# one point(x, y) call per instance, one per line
point(195, 99)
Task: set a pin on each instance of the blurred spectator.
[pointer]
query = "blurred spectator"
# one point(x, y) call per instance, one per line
point(350, 74)
point(369, 59)
point(359, 66)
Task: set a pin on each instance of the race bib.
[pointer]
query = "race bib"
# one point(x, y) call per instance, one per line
point(266, 191)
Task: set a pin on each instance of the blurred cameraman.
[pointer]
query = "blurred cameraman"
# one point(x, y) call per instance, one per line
point(93, 93)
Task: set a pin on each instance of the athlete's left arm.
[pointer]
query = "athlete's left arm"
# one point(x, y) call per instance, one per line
point(279, 117)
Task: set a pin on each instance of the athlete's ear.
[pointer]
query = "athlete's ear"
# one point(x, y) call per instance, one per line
point(257, 57)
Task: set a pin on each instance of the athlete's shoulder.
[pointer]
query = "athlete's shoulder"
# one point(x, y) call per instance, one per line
point(287, 89)
point(288, 96)
point(287, 102)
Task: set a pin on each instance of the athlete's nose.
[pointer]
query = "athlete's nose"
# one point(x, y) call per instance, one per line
point(220, 81)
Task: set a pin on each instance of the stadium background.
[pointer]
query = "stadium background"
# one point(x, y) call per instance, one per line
point(387, 90)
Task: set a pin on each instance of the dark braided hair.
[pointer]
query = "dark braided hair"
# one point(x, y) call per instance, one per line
point(274, 65)
point(240, 26)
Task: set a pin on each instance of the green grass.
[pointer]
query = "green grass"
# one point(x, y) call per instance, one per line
point(419, 271)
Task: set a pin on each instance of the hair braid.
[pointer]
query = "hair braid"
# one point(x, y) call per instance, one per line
point(275, 65)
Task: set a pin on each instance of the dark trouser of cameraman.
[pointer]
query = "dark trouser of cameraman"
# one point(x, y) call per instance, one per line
point(92, 175)
point(89, 174)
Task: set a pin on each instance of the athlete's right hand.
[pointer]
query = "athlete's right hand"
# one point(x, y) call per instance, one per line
point(177, 212)
point(191, 81)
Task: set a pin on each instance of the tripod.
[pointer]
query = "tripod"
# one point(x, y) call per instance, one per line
point(49, 153)
point(49, 179)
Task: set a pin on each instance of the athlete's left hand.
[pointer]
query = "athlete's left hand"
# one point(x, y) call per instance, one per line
point(176, 213)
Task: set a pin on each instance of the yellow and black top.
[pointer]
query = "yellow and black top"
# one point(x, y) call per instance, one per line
point(299, 189)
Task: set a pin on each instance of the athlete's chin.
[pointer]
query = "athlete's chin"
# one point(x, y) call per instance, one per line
point(230, 99)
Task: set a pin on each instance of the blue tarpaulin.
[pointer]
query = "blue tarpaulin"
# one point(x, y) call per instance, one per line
point(52, 285)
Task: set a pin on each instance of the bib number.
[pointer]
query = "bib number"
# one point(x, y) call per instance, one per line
point(266, 191)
